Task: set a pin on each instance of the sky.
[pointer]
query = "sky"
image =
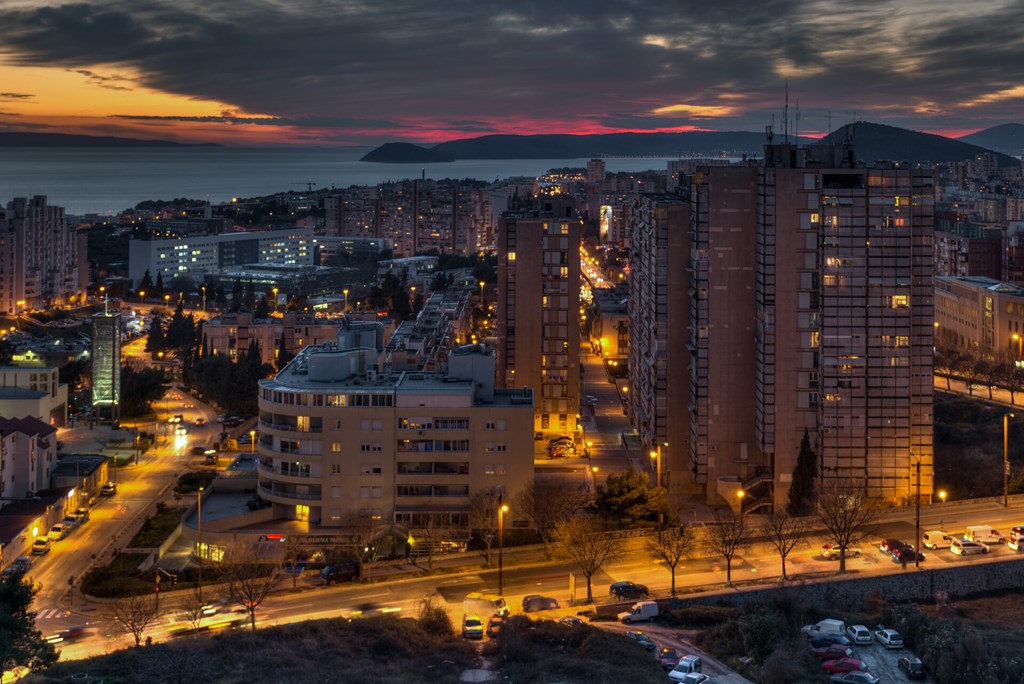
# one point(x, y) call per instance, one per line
point(363, 72)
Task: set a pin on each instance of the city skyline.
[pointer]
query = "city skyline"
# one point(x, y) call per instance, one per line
point(343, 73)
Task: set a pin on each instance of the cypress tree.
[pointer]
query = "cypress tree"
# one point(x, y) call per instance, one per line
point(801, 491)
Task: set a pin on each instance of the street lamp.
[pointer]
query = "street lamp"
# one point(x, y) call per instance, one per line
point(252, 441)
point(142, 296)
point(482, 295)
point(345, 292)
point(199, 519)
point(1020, 341)
point(917, 517)
point(167, 300)
point(275, 299)
point(203, 288)
point(1006, 459)
point(942, 495)
point(656, 455)
point(502, 510)
point(739, 495)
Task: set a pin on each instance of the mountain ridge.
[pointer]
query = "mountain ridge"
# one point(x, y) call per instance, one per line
point(33, 139)
point(1007, 138)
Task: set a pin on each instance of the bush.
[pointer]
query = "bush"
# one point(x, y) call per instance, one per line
point(700, 616)
point(118, 579)
point(434, 618)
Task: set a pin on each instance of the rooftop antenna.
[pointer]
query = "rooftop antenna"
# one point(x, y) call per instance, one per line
point(830, 121)
point(785, 114)
point(797, 121)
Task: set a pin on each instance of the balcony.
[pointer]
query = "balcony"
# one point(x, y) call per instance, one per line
point(284, 496)
point(285, 427)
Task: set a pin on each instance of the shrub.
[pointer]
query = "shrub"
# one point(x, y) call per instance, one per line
point(700, 616)
point(763, 629)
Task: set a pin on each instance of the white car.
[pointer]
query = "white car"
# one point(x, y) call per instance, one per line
point(964, 547)
point(830, 551)
point(1015, 544)
point(859, 634)
point(889, 638)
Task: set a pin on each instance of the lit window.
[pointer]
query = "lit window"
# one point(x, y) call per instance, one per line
point(900, 301)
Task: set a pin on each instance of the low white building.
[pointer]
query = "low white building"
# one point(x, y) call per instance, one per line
point(28, 454)
point(35, 392)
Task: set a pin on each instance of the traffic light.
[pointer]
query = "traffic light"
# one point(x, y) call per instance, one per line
point(158, 583)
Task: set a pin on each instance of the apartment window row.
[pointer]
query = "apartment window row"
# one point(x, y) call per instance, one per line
point(433, 467)
point(371, 446)
point(318, 399)
point(432, 490)
point(428, 445)
point(433, 423)
point(436, 519)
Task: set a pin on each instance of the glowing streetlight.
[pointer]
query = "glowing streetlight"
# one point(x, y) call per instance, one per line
point(740, 495)
point(345, 292)
point(252, 441)
point(502, 510)
point(275, 299)
point(942, 496)
point(482, 294)
point(203, 288)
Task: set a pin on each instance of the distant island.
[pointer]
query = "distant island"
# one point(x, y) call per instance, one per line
point(405, 153)
point(29, 139)
point(871, 141)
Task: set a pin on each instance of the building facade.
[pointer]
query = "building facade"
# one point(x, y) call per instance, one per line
point(32, 391)
point(538, 302)
point(38, 256)
point(196, 255)
point(106, 364)
point(28, 454)
point(979, 315)
point(342, 442)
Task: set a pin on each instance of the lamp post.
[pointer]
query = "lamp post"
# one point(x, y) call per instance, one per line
point(252, 441)
point(482, 302)
point(199, 519)
point(739, 496)
point(917, 517)
point(275, 299)
point(142, 296)
point(1006, 459)
point(167, 300)
point(656, 455)
point(204, 298)
point(345, 292)
point(502, 510)
point(1020, 342)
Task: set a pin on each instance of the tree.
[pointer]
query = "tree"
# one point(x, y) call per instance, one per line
point(140, 387)
point(194, 610)
point(483, 518)
point(988, 373)
point(133, 615)
point(801, 490)
point(630, 499)
point(587, 542)
point(670, 545)
point(159, 287)
point(155, 341)
point(947, 362)
point(147, 282)
point(236, 295)
point(784, 532)
point(845, 513)
point(970, 368)
point(283, 355)
point(250, 577)
point(725, 536)
point(21, 644)
point(550, 503)
point(7, 353)
point(1012, 378)
point(262, 311)
point(250, 295)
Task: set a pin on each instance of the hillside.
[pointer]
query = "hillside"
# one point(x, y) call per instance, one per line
point(29, 139)
point(874, 142)
point(405, 153)
point(1007, 138)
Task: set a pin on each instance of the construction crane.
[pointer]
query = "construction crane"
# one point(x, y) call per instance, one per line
point(309, 185)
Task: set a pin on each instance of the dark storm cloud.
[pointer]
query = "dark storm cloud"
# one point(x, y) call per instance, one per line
point(477, 65)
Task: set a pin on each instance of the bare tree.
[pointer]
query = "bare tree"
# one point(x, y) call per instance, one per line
point(725, 536)
point(133, 615)
point(193, 608)
point(483, 517)
point(550, 504)
point(989, 374)
point(588, 544)
point(293, 553)
point(250, 575)
point(947, 363)
point(845, 512)
point(969, 369)
point(1012, 377)
point(670, 545)
point(785, 533)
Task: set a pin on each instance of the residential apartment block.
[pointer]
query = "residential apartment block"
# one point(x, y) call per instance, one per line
point(342, 442)
point(195, 256)
point(38, 256)
point(31, 391)
point(28, 453)
point(809, 294)
point(538, 302)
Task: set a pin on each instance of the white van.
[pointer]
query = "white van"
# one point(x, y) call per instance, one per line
point(936, 539)
point(643, 610)
point(986, 534)
point(825, 627)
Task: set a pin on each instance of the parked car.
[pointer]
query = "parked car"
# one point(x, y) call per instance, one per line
point(907, 554)
point(889, 638)
point(830, 551)
point(844, 665)
point(859, 634)
point(628, 590)
point(59, 531)
point(108, 489)
point(830, 640)
point(1015, 544)
point(855, 678)
point(1016, 532)
point(911, 666)
point(41, 546)
point(642, 639)
point(571, 621)
point(696, 678)
point(472, 627)
point(936, 539)
point(83, 514)
point(494, 625)
point(832, 652)
point(71, 522)
point(887, 546)
point(964, 547)
point(687, 665)
point(535, 602)
point(668, 657)
point(639, 612)
point(985, 534)
point(824, 627)
point(20, 566)
point(345, 571)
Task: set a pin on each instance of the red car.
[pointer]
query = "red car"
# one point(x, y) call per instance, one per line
point(844, 665)
point(668, 657)
point(832, 652)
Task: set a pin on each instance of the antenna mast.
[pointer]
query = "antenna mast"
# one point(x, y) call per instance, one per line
point(785, 114)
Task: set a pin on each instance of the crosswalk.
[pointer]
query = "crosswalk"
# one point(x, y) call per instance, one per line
point(51, 614)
